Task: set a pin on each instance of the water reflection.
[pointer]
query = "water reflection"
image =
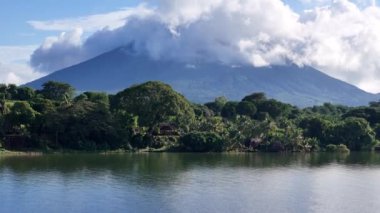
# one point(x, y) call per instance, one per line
point(176, 162)
point(173, 182)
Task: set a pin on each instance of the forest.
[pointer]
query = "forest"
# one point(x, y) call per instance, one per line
point(153, 117)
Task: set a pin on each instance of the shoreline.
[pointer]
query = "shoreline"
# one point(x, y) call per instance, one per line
point(20, 153)
point(4, 152)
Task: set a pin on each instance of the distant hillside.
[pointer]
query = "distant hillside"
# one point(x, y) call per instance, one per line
point(202, 82)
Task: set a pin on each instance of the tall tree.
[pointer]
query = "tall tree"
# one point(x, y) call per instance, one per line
point(21, 116)
point(355, 133)
point(217, 105)
point(154, 102)
point(24, 93)
point(246, 108)
point(229, 110)
point(255, 97)
point(57, 91)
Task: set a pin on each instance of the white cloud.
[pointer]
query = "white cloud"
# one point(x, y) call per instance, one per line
point(67, 52)
point(338, 37)
point(17, 74)
point(344, 41)
point(192, 30)
point(14, 66)
point(16, 54)
point(110, 20)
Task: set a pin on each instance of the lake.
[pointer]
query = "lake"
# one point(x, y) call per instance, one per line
point(174, 182)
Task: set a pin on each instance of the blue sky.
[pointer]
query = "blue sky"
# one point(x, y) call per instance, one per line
point(339, 37)
point(14, 15)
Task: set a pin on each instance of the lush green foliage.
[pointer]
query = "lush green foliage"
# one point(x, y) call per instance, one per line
point(341, 148)
point(154, 102)
point(83, 125)
point(57, 91)
point(202, 142)
point(246, 108)
point(153, 115)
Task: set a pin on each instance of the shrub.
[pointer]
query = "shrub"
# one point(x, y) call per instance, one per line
point(337, 148)
point(342, 148)
point(202, 142)
point(158, 142)
point(331, 148)
point(140, 141)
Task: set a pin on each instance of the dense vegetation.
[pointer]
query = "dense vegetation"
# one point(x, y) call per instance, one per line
point(153, 116)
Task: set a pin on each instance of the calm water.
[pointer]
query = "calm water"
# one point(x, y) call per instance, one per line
point(191, 183)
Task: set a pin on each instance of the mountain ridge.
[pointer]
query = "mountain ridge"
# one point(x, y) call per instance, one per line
point(203, 81)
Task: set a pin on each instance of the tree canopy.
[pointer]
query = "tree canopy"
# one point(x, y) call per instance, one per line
point(154, 102)
point(154, 116)
point(57, 91)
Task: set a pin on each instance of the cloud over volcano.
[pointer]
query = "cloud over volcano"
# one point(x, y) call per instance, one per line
point(340, 38)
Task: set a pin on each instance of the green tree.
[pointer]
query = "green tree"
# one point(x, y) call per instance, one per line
point(377, 131)
point(375, 104)
point(274, 108)
point(317, 127)
point(246, 108)
point(83, 125)
point(229, 110)
point(355, 133)
point(8, 92)
point(153, 103)
point(370, 114)
point(217, 105)
point(255, 97)
point(3, 92)
point(57, 91)
point(140, 141)
point(20, 117)
point(42, 105)
point(202, 142)
point(2, 129)
point(12, 91)
point(214, 124)
point(327, 109)
point(203, 111)
point(98, 97)
point(25, 93)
